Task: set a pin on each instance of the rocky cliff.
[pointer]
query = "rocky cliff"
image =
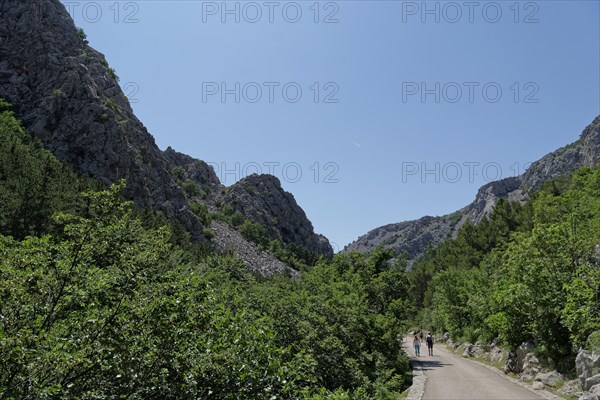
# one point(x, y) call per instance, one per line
point(186, 168)
point(414, 237)
point(262, 199)
point(67, 95)
point(259, 198)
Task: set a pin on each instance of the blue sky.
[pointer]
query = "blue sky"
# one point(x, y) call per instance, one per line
point(369, 112)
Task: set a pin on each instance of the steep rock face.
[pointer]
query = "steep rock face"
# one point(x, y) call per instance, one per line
point(488, 195)
point(584, 152)
point(259, 198)
point(66, 94)
point(262, 199)
point(414, 237)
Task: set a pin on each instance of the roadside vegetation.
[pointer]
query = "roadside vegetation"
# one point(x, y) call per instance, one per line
point(527, 272)
point(101, 300)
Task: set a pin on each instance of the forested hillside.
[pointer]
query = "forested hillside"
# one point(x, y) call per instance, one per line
point(101, 300)
point(529, 271)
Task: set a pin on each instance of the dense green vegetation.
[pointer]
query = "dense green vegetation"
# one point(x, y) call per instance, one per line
point(33, 183)
point(527, 272)
point(100, 300)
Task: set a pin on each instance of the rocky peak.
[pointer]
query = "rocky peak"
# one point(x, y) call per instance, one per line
point(259, 198)
point(195, 170)
point(262, 199)
point(489, 194)
point(590, 143)
point(584, 152)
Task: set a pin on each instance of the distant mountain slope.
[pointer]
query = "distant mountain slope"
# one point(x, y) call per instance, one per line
point(414, 237)
point(66, 94)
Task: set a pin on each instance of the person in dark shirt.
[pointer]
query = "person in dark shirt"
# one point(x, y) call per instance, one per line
point(429, 341)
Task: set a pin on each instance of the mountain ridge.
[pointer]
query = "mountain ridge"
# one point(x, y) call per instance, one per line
point(416, 236)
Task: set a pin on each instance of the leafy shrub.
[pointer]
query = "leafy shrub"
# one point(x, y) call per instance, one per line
point(208, 233)
point(526, 272)
point(82, 35)
point(201, 212)
point(33, 183)
point(255, 232)
point(191, 188)
point(101, 300)
point(593, 342)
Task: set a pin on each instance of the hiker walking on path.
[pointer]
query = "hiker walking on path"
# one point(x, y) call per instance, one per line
point(429, 341)
point(417, 345)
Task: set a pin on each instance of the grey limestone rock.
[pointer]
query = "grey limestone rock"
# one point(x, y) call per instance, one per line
point(551, 378)
point(262, 199)
point(66, 95)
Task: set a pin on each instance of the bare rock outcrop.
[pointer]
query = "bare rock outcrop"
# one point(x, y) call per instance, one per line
point(262, 199)
point(255, 259)
point(588, 369)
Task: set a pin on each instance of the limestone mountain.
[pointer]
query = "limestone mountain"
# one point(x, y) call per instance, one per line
point(415, 237)
point(67, 95)
point(262, 199)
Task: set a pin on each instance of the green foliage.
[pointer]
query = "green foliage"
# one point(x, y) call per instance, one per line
point(108, 308)
point(593, 342)
point(191, 188)
point(111, 71)
point(33, 183)
point(347, 321)
point(101, 300)
point(178, 173)
point(82, 35)
point(208, 233)
point(201, 212)
point(526, 272)
point(109, 103)
point(237, 219)
point(65, 301)
point(255, 232)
